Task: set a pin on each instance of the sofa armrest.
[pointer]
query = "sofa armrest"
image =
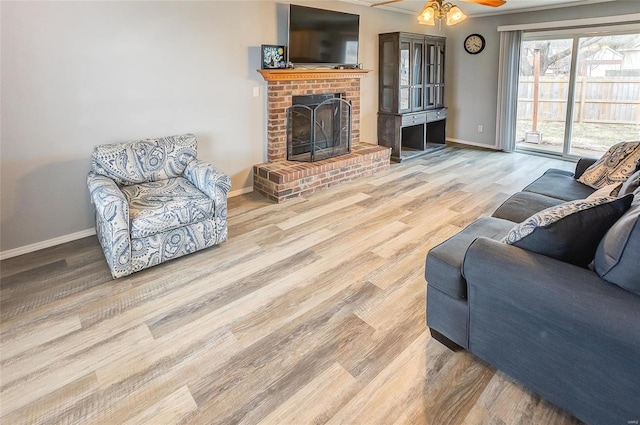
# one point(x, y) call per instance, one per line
point(582, 165)
point(210, 181)
point(112, 222)
point(557, 328)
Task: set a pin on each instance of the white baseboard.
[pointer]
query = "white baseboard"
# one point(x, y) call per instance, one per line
point(46, 244)
point(240, 191)
point(79, 235)
point(466, 142)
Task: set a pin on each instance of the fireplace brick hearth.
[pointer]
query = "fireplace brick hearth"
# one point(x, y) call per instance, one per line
point(279, 179)
point(282, 180)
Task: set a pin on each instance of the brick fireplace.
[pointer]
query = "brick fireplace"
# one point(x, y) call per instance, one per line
point(279, 179)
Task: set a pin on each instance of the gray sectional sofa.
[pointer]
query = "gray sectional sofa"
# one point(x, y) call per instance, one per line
point(558, 328)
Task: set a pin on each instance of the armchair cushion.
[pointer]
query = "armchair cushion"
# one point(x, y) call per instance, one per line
point(165, 205)
point(145, 160)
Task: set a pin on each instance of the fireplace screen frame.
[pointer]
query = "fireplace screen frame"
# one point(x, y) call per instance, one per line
point(317, 150)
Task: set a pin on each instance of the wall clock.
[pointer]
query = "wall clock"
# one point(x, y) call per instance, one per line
point(474, 44)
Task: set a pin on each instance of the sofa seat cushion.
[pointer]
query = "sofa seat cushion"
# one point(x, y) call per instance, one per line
point(164, 205)
point(559, 184)
point(444, 262)
point(523, 205)
point(617, 256)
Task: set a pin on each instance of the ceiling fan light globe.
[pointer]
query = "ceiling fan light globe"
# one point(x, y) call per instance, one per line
point(427, 15)
point(455, 16)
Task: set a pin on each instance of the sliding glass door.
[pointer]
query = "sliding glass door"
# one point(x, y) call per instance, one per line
point(543, 94)
point(578, 95)
point(607, 95)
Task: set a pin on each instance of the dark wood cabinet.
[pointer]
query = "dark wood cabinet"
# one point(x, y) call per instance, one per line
point(411, 111)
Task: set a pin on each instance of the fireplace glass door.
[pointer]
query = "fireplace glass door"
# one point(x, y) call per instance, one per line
point(318, 127)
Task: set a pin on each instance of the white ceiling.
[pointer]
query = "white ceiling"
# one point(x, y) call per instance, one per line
point(415, 6)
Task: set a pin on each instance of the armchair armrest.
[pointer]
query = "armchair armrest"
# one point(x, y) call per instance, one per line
point(582, 165)
point(112, 222)
point(210, 181)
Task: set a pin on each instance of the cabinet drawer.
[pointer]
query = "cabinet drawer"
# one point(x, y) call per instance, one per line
point(413, 119)
point(440, 114)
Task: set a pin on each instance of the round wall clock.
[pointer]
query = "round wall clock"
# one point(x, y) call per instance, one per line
point(474, 44)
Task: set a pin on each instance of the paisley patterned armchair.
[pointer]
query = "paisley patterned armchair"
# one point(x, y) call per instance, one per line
point(155, 201)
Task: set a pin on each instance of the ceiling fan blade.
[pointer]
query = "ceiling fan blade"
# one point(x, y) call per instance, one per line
point(382, 3)
point(492, 3)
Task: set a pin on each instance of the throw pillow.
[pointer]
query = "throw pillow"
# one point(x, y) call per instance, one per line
point(631, 184)
point(608, 190)
point(571, 231)
point(615, 166)
point(616, 259)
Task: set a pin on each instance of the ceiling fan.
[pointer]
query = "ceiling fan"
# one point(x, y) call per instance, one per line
point(441, 10)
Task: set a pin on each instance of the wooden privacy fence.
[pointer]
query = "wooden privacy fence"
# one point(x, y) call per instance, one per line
point(598, 100)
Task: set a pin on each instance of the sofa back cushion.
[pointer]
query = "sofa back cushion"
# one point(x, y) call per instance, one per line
point(617, 258)
point(631, 184)
point(145, 160)
point(571, 231)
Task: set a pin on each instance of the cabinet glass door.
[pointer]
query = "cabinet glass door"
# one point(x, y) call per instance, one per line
point(431, 63)
point(387, 77)
point(439, 96)
point(430, 75)
point(439, 77)
point(405, 70)
point(417, 76)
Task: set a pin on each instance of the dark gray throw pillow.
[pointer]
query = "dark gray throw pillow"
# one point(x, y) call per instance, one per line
point(631, 184)
point(617, 258)
point(571, 231)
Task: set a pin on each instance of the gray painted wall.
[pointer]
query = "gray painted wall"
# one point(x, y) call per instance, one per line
point(78, 74)
point(472, 80)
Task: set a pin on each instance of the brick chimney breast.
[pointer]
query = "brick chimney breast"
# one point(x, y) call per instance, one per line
point(279, 179)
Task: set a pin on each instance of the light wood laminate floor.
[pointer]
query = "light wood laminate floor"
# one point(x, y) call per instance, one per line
point(312, 313)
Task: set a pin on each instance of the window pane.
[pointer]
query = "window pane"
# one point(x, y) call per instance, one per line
point(543, 92)
point(607, 100)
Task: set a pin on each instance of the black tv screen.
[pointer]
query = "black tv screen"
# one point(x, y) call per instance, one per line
point(318, 36)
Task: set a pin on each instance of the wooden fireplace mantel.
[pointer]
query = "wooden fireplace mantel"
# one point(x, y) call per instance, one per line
point(310, 74)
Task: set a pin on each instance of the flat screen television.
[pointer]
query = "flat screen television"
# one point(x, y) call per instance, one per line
point(326, 37)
